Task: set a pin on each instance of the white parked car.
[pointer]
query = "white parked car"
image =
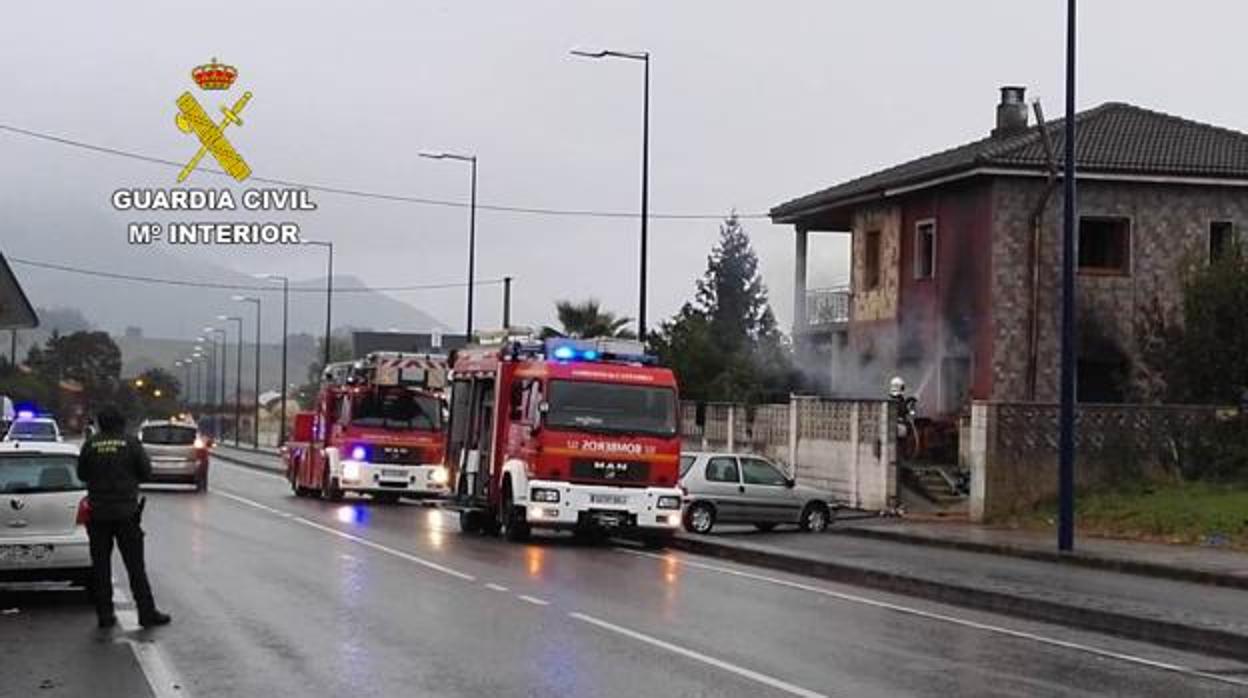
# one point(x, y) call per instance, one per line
point(745, 488)
point(43, 510)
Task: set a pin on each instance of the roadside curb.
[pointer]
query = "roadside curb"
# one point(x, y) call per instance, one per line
point(238, 460)
point(1136, 567)
point(1159, 632)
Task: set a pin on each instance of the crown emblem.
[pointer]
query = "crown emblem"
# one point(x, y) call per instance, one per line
point(214, 75)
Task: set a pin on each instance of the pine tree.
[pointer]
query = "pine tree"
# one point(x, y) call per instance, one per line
point(725, 345)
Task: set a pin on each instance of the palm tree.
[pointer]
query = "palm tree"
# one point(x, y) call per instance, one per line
point(587, 319)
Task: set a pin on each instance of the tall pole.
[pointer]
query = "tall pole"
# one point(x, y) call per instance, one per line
point(13, 348)
point(256, 414)
point(238, 373)
point(216, 332)
point(281, 429)
point(472, 245)
point(1066, 466)
point(329, 294)
point(506, 302)
point(645, 198)
point(644, 57)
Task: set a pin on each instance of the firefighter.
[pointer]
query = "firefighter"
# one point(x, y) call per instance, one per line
point(112, 465)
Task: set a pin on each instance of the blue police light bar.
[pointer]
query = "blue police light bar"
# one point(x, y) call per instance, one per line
point(599, 349)
point(25, 414)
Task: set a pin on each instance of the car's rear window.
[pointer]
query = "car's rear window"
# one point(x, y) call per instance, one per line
point(33, 431)
point(27, 473)
point(167, 435)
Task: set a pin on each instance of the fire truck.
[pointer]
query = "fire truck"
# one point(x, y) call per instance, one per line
point(379, 428)
point(565, 434)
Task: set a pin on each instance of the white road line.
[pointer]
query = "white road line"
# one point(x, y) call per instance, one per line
point(159, 673)
point(698, 656)
point(495, 587)
point(428, 564)
point(533, 600)
point(930, 615)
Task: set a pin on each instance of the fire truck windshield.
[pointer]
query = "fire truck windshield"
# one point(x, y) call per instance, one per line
point(611, 407)
point(396, 408)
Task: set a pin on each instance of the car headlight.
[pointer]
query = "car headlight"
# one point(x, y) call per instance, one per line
point(668, 502)
point(350, 470)
point(439, 475)
point(544, 494)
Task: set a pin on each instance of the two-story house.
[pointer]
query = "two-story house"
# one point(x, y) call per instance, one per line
point(955, 277)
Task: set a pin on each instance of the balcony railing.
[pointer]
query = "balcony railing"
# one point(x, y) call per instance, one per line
point(828, 306)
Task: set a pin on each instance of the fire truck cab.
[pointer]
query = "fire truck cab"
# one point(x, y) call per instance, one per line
point(564, 434)
point(378, 428)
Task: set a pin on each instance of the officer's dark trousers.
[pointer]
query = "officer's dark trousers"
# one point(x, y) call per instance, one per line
point(129, 536)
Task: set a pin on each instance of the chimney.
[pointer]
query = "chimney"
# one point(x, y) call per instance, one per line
point(1011, 112)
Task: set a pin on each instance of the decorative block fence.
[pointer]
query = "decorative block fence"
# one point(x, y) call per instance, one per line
point(845, 446)
point(1011, 449)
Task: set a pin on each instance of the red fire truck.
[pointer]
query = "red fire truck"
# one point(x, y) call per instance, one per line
point(379, 428)
point(564, 434)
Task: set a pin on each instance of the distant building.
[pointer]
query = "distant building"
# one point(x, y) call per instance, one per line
point(417, 342)
point(133, 332)
point(955, 272)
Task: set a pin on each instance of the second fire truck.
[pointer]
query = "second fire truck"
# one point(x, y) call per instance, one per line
point(564, 434)
point(378, 428)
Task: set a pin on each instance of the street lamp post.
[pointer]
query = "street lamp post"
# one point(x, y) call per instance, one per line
point(256, 418)
point(238, 374)
point(221, 400)
point(329, 293)
point(506, 303)
point(281, 427)
point(1066, 417)
point(644, 57)
point(472, 227)
point(209, 399)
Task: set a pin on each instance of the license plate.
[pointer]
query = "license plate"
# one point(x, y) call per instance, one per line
point(616, 499)
point(393, 472)
point(25, 553)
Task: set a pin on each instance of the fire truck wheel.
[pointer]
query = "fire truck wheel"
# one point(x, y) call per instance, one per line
point(470, 521)
point(329, 487)
point(700, 518)
point(515, 528)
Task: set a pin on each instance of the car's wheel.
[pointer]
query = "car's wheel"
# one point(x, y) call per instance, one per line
point(510, 519)
point(387, 497)
point(765, 527)
point(330, 490)
point(816, 517)
point(700, 518)
point(470, 521)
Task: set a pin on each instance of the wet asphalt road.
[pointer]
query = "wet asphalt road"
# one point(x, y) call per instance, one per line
point(274, 595)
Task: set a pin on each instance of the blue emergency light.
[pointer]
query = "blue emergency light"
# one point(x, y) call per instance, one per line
point(600, 349)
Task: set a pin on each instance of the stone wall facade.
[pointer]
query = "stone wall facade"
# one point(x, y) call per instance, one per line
point(1169, 230)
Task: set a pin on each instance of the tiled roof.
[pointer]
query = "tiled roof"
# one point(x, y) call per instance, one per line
point(1112, 138)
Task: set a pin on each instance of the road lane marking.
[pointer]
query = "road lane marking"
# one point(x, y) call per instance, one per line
point(495, 587)
point(157, 670)
point(931, 615)
point(533, 600)
point(698, 656)
point(428, 564)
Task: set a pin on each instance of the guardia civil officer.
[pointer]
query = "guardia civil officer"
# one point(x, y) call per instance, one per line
point(112, 465)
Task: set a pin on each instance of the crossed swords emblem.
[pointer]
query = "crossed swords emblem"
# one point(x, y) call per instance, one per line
point(192, 117)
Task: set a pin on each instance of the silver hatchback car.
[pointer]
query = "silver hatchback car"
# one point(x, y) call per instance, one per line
point(43, 514)
point(745, 488)
point(178, 453)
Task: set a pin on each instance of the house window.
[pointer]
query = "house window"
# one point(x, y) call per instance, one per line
point(925, 249)
point(871, 261)
point(1105, 245)
point(1221, 240)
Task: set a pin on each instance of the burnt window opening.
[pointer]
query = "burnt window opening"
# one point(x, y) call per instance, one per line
point(1105, 245)
point(1221, 240)
point(1101, 380)
point(925, 250)
point(871, 261)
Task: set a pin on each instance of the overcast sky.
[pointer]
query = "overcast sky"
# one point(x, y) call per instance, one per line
point(752, 103)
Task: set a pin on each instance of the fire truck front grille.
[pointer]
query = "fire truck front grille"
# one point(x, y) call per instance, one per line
point(398, 455)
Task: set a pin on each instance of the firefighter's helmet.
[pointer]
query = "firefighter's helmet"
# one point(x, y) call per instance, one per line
point(896, 387)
